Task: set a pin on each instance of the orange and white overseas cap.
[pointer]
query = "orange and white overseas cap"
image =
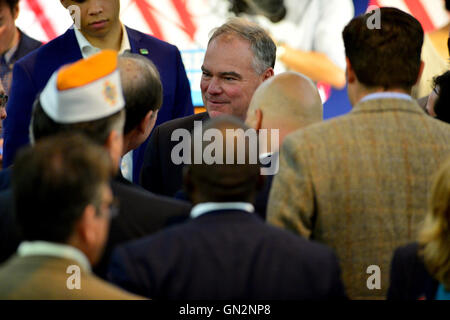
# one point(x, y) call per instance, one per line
point(86, 90)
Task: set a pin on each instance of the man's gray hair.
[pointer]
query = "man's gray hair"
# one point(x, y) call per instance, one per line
point(262, 45)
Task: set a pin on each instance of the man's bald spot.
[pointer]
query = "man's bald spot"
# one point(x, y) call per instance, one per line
point(225, 174)
point(131, 67)
point(290, 96)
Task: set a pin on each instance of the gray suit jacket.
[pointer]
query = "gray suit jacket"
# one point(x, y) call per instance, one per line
point(359, 183)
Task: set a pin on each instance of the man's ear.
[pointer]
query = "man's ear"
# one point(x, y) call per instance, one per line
point(422, 66)
point(86, 227)
point(268, 74)
point(258, 119)
point(350, 73)
point(147, 121)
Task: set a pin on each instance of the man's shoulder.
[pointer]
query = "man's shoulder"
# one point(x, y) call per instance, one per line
point(146, 200)
point(45, 54)
point(28, 43)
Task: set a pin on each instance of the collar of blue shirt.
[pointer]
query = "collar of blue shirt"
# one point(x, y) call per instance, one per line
point(386, 95)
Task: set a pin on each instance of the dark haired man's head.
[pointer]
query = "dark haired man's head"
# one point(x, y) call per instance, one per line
point(383, 59)
point(12, 4)
point(9, 35)
point(439, 100)
point(61, 193)
point(226, 182)
point(143, 95)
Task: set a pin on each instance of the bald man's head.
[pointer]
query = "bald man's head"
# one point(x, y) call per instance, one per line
point(288, 98)
point(141, 86)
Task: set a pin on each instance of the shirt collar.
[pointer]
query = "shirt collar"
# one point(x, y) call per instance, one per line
point(10, 53)
point(265, 155)
point(44, 248)
point(386, 95)
point(88, 50)
point(203, 208)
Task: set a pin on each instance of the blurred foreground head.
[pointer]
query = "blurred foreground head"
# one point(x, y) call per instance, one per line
point(61, 193)
point(435, 234)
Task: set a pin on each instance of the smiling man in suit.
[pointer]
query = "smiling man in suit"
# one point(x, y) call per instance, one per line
point(99, 28)
point(239, 57)
point(359, 182)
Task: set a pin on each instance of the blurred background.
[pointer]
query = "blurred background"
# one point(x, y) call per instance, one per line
point(186, 24)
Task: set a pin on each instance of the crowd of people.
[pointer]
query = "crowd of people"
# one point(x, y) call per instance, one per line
point(257, 198)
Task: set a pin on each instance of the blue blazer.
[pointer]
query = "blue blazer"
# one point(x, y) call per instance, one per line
point(30, 75)
point(227, 255)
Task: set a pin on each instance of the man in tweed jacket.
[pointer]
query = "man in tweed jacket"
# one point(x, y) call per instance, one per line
point(359, 183)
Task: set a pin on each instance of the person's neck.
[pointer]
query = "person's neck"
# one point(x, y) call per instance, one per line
point(127, 145)
point(14, 42)
point(112, 40)
point(283, 129)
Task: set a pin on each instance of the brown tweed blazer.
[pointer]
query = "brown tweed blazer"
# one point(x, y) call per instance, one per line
point(359, 183)
point(45, 278)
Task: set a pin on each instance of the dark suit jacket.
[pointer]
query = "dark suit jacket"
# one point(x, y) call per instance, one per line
point(26, 45)
point(5, 179)
point(9, 234)
point(31, 74)
point(227, 255)
point(141, 213)
point(159, 174)
point(409, 278)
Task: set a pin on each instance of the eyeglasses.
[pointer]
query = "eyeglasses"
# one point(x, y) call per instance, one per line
point(3, 99)
point(114, 208)
point(436, 90)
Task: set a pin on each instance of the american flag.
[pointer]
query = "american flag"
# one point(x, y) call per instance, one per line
point(180, 21)
point(431, 13)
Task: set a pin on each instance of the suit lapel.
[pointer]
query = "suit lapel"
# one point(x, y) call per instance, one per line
point(135, 40)
point(69, 50)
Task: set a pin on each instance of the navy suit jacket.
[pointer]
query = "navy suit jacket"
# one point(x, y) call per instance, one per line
point(159, 174)
point(227, 255)
point(26, 45)
point(409, 278)
point(30, 75)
